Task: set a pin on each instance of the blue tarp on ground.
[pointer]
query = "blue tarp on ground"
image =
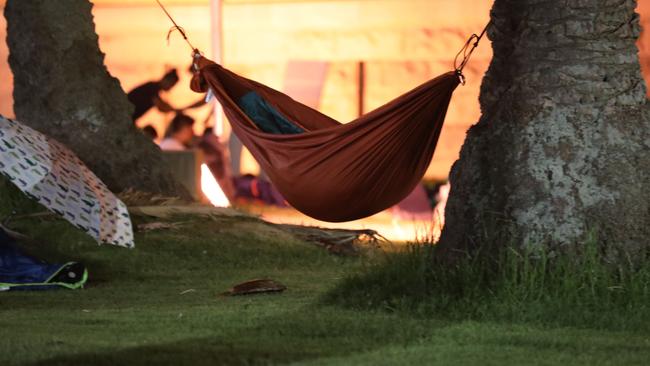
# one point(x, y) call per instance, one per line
point(19, 271)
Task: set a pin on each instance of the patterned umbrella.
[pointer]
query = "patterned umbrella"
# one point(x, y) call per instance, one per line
point(50, 173)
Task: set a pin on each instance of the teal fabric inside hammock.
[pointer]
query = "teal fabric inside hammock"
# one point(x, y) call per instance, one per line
point(267, 118)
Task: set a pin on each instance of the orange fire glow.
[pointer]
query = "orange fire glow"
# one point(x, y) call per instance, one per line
point(211, 188)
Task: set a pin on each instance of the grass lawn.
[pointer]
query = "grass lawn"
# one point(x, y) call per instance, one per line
point(159, 304)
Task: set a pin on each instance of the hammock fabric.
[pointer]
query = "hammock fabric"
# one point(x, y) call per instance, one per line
point(331, 171)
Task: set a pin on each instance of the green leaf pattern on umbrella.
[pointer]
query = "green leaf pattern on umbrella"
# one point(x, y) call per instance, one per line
point(50, 173)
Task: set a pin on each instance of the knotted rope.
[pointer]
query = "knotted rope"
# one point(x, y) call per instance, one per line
point(467, 51)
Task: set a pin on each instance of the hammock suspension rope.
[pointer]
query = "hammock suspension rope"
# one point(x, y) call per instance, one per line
point(466, 51)
point(176, 27)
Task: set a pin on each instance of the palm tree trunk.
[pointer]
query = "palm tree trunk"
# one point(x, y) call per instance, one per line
point(562, 149)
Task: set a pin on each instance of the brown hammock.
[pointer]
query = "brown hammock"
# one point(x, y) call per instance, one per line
point(328, 170)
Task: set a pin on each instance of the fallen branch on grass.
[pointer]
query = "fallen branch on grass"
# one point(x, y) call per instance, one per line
point(337, 241)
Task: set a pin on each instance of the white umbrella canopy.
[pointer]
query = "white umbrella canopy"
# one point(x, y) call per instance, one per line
point(47, 171)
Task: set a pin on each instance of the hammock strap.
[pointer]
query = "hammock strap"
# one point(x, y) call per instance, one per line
point(467, 51)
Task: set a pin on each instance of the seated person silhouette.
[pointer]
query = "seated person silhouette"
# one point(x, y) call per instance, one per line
point(180, 134)
point(147, 95)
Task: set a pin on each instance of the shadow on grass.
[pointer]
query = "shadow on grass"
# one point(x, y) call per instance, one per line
point(309, 333)
point(381, 340)
point(196, 352)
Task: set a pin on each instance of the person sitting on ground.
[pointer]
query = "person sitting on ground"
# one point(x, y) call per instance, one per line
point(147, 95)
point(180, 134)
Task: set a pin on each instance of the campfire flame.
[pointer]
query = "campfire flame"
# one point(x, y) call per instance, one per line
point(211, 188)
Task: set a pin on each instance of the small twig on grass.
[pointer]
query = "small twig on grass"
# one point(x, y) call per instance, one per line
point(14, 234)
point(151, 226)
point(28, 216)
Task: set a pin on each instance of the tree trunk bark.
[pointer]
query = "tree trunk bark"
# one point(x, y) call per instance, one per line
point(562, 149)
point(62, 88)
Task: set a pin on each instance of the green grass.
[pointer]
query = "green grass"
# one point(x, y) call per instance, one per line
point(132, 311)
